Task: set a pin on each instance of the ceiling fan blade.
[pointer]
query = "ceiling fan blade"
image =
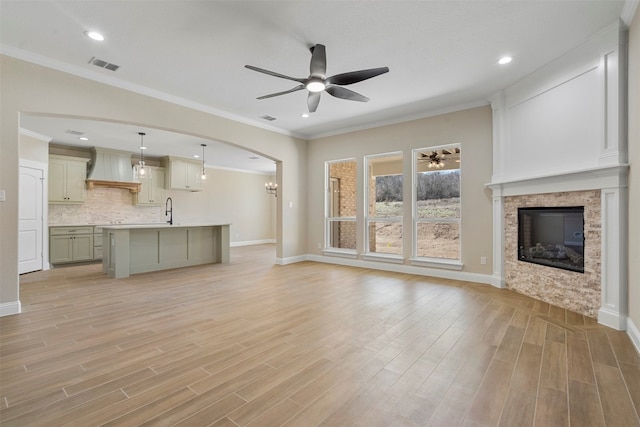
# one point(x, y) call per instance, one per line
point(274, 74)
point(281, 93)
point(318, 61)
point(312, 101)
point(344, 93)
point(356, 76)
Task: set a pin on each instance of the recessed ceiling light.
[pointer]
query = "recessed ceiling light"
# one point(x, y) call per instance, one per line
point(83, 138)
point(143, 147)
point(504, 60)
point(304, 115)
point(94, 35)
point(196, 156)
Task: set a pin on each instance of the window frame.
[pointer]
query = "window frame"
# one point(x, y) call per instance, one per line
point(367, 253)
point(447, 263)
point(329, 219)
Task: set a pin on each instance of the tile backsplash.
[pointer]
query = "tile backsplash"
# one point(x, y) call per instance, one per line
point(105, 206)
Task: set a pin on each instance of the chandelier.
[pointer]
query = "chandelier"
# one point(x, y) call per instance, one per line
point(271, 188)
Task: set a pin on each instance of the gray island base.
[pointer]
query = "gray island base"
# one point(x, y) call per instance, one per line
point(132, 249)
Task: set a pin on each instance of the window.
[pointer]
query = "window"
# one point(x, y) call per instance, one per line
point(340, 230)
point(384, 204)
point(437, 202)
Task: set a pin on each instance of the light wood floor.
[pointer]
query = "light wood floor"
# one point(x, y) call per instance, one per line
point(252, 343)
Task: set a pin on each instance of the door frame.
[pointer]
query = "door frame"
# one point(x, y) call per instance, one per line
point(44, 167)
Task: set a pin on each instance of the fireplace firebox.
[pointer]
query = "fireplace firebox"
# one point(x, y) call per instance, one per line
point(552, 236)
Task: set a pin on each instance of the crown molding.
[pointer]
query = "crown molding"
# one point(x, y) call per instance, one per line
point(139, 89)
point(35, 135)
point(628, 11)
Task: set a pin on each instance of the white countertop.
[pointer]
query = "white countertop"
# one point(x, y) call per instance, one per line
point(158, 225)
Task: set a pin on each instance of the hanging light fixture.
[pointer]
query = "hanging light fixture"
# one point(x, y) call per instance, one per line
point(271, 188)
point(141, 170)
point(204, 174)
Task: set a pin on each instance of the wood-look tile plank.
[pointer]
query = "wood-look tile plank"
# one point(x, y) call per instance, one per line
point(584, 405)
point(553, 372)
point(526, 374)
point(552, 408)
point(152, 409)
point(519, 409)
point(579, 363)
point(631, 373)
point(601, 351)
point(303, 344)
point(277, 415)
point(278, 391)
point(196, 411)
point(622, 347)
point(617, 406)
point(489, 401)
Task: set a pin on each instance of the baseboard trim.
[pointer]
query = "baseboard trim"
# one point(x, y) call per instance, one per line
point(252, 242)
point(291, 260)
point(408, 269)
point(10, 308)
point(612, 319)
point(634, 333)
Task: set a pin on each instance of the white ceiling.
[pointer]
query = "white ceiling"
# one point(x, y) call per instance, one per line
point(442, 55)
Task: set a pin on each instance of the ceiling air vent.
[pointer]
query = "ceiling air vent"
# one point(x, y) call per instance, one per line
point(267, 117)
point(74, 132)
point(103, 64)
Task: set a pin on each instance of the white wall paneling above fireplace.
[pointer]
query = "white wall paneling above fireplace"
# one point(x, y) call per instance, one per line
point(563, 129)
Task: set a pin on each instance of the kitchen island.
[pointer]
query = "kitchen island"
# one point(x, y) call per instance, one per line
point(140, 248)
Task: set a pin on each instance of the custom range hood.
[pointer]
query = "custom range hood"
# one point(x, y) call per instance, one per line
point(111, 168)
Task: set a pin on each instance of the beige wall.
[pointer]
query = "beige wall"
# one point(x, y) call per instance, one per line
point(634, 170)
point(471, 128)
point(33, 149)
point(26, 87)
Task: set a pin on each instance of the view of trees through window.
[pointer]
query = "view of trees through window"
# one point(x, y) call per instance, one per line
point(437, 204)
point(384, 219)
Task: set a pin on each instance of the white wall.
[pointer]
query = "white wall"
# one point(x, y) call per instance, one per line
point(634, 178)
point(565, 117)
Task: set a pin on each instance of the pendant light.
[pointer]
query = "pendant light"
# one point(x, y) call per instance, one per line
point(204, 174)
point(141, 169)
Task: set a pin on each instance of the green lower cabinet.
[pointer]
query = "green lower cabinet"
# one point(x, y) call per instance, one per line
point(70, 244)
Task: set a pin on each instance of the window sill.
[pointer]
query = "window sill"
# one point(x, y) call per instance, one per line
point(344, 253)
point(372, 256)
point(437, 263)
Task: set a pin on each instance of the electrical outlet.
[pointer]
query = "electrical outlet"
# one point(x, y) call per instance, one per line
point(483, 260)
point(237, 235)
point(2, 196)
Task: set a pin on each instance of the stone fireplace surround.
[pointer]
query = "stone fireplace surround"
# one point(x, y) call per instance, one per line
point(579, 292)
point(600, 292)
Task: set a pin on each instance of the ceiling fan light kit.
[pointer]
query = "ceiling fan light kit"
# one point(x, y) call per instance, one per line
point(316, 83)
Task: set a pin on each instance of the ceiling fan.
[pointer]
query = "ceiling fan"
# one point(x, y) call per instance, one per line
point(317, 81)
point(436, 159)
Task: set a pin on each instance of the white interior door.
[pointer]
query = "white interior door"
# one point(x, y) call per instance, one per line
point(30, 228)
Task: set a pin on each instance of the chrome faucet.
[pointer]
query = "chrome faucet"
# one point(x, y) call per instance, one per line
point(168, 210)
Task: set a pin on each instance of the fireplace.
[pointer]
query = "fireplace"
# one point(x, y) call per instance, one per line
point(552, 236)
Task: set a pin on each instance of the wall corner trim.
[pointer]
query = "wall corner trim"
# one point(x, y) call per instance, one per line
point(10, 308)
